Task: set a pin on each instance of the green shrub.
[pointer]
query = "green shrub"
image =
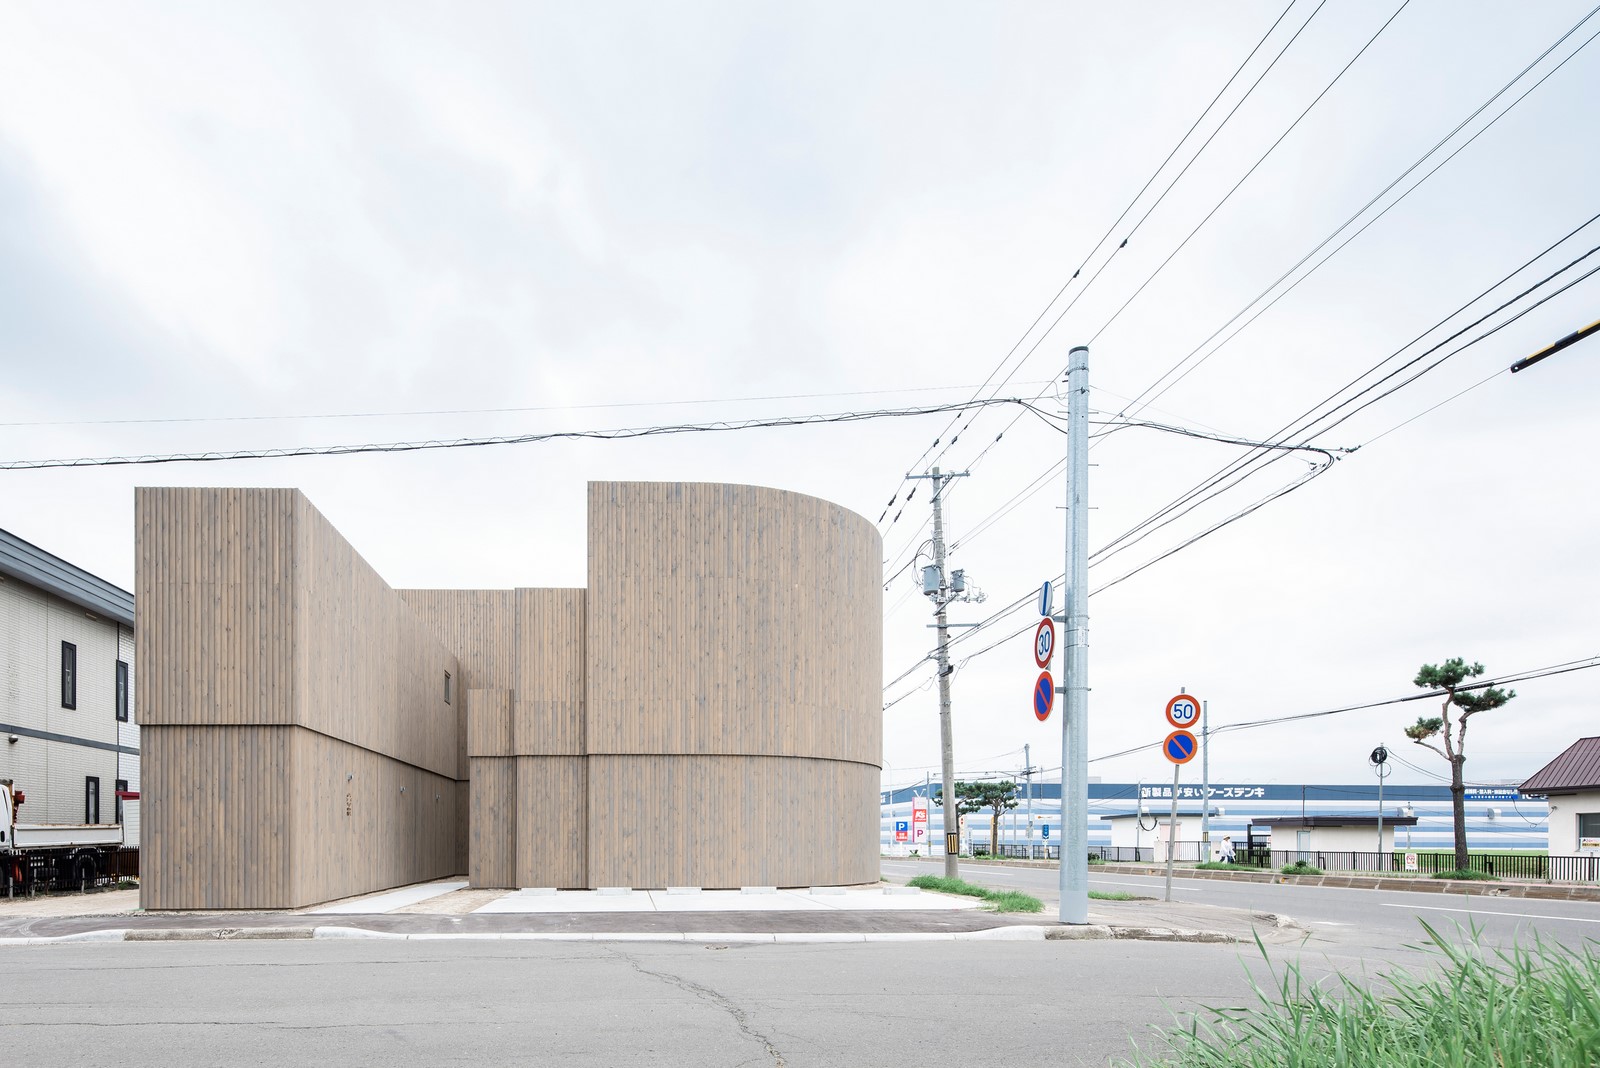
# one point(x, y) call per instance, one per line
point(1096, 858)
point(1300, 867)
point(1462, 873)
point(1224, 865)
point(1467, 1008)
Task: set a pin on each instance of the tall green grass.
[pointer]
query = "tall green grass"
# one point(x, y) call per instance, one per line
point(997, 900)
point(1512, 1008)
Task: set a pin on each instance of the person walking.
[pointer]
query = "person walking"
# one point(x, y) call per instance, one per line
point(1227, 849)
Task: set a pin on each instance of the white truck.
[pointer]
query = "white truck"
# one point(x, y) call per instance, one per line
point(64, 855)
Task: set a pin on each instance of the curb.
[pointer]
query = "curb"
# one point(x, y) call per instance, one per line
point(1018, 933)
point(1013, 933)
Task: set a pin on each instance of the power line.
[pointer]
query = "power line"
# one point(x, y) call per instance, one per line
point(1135, 402)
point(1253, 167)
point(624, 433)
point(1272, 721)
point(1308, 419)
point(1110, 230)
point(308, 417)
point(1363, 209)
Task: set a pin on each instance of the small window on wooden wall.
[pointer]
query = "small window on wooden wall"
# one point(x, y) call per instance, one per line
point(447, 687)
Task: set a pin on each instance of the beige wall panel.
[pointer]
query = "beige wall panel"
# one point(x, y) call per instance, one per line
point(364, 822)
point(368, 670)
point(552, 805)
point(213, 598)
point(550, 672)
point(743, 620)
point(221, 838)
point(479, 626)
point(489, 715)
point(721, 821)
point(492, 859)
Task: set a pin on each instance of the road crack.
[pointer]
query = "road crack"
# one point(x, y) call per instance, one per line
point(741, 1018)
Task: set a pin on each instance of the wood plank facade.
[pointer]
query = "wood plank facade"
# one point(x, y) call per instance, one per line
point(706, 712)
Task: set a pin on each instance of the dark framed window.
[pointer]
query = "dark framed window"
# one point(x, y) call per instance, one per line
point(122, 786)
point(122, 691)
point(447, 687)
point(91, 799)
point(1589, 825)
point(69, 675)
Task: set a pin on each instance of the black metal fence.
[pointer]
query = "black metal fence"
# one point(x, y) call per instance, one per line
point(1507, 866)
point(61, 870)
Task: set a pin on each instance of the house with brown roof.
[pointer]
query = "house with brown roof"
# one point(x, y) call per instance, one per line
point(1572, 783)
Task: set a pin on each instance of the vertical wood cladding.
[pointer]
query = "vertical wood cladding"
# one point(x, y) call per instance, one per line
point(213, 602)
point(369, 671)
point(738, 619)
point(363, 822)
point(706, 712)
point(733, 709)
point(252, 613)
point(491, 859)
point(216, 811)
point(726, 821)
point(550, 672)
point(552, 821)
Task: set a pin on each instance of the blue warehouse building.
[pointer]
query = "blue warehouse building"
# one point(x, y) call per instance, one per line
point(1499, 818)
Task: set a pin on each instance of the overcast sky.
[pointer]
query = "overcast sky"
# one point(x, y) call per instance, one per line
point(232, 226)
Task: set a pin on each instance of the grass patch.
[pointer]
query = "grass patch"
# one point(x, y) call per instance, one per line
point(1462, 873)
point(998, 900)
point(1470, 1008)
point(1223, 865)
point(1013, 901)
point(1117, 895)
point(1300, 867)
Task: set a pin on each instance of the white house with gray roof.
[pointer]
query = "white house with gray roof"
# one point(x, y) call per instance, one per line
point(69, 738)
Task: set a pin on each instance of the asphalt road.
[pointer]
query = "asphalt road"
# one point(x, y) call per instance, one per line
point(1370, 918)
point(181, 1004)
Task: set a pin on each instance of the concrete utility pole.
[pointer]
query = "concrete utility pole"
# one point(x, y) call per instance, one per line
point(1074, 883)
point(1205, 781)
point(1027, 774)
point(938, 588)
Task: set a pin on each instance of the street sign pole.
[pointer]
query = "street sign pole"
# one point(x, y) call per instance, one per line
point(1172, 827)
point(1183, 712)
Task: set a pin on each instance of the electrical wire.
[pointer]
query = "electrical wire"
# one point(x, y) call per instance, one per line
point(1523, 676)
point(1100, 555)
point(1135, 404)
point(1253, 167)
point(619, 434)
point(1112, 228)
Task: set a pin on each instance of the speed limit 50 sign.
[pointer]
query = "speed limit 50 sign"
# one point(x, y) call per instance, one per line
point(1183, 711)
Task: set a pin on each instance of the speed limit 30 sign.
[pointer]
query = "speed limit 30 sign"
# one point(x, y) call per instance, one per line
point(1044, 642)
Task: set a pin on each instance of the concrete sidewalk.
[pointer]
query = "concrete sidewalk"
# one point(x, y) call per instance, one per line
point(447, 909)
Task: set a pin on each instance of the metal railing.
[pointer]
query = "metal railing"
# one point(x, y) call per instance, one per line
point(62, 870)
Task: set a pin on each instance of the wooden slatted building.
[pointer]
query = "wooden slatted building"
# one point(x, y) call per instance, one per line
point(705, 712)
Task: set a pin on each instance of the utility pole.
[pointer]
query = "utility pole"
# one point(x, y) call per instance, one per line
point(1205, 781)
point(1074, 882)
point(1027, 774)
point(936, 585)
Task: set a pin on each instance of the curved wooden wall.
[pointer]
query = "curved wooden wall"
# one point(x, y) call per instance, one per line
point(733, 701)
